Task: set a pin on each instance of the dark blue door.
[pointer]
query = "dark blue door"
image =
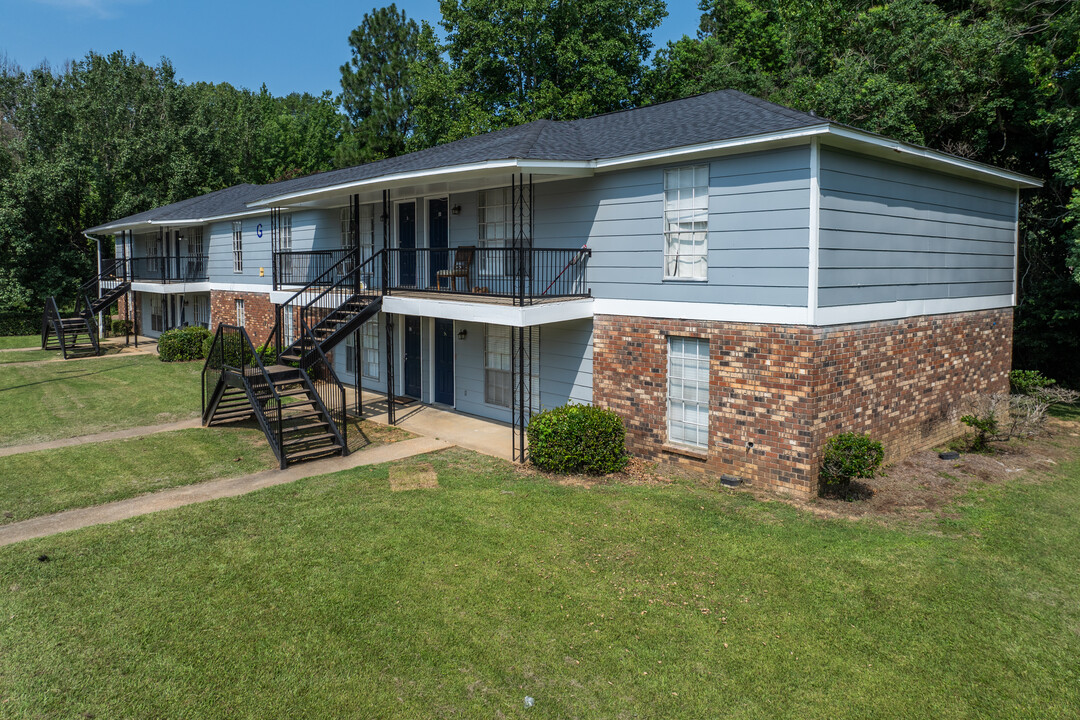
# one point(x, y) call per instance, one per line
point(407, 243)
point(444, 362)
point(438, 238)
point(411, 360)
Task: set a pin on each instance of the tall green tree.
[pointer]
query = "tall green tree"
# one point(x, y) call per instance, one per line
point(504, 63)
point(377, 86)
point(991, 80)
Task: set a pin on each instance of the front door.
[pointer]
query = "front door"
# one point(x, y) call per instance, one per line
point(411, 381)
point(444, 362)
point(438, 238)
point(407, 243)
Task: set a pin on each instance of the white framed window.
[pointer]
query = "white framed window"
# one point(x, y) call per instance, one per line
point(686, 223)
point(369, 340)
point(201, 311)
point(285, 236)
point(350, 354)
point(495, 226)
point(157, 319)
point(237, 246)
point(239, 312)
point(288, 325)
point(497, 387)
point(688, 391)
point(194, 239)
point(346, 227)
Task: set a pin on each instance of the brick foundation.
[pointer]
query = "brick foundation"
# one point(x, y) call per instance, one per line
point(259, 315)
point(787, 389)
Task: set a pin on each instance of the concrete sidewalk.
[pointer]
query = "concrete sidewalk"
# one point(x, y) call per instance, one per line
point(213, 490)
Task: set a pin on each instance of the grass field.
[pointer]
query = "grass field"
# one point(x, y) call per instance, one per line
point(48, 481)
point(19, 341)
point(20, 356)
point(81, 397)
point(335, 597)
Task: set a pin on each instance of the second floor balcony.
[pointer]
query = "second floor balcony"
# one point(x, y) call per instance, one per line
point(518, 276)
point(172, 269)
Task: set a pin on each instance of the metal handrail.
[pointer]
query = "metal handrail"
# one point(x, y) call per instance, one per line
point(304, 366)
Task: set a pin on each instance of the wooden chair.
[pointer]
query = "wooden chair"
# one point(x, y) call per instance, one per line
point(463, 259)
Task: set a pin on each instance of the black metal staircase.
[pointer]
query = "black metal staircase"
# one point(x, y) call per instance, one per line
point(77, 335)
point(237, 385)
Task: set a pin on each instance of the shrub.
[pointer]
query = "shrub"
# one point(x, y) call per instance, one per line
point(1027, 382)
point(232, 351)
point(985, 426)
point(578, 438)
point(20, 321)
point(847, 456)
point(120, 327)
point(182, 344)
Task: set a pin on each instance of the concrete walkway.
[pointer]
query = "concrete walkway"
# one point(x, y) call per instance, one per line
point(202, 492)
point(101, 437)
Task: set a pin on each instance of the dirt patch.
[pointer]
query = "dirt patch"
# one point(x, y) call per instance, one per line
point(421, 476)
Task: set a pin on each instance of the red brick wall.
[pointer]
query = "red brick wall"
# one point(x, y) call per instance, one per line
point(787, 389)
point(259, 317)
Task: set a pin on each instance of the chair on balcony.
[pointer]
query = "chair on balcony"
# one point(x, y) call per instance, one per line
point(463, 259)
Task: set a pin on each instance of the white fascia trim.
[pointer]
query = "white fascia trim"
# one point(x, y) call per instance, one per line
point(703, 148)
point(720, 312)
point(952, 161)
point(213, 218)
point(847, 314)
point(172, 288)
point(815, 232)
point(488, 312)
point(535, 166)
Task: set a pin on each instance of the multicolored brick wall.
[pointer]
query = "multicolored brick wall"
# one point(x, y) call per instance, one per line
point(259, 313)
point(786, 389)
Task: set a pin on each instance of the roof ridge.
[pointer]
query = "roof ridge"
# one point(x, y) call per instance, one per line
point(774, 107)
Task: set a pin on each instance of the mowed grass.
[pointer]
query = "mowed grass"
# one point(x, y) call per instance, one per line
point(19, 341)
point(48, 481)
point(334, 597)
point(46, 401)
point(21, 356)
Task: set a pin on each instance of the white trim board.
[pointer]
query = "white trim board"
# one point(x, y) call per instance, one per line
point(489, 313)
point(846, 314)
point(172, 288)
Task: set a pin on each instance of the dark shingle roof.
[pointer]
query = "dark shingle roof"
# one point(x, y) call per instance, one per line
point(704, 118)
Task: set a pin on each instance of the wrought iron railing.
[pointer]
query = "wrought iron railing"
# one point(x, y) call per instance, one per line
point(301, 268)
point(50, 319)
point(178, 268)
point(318, 373)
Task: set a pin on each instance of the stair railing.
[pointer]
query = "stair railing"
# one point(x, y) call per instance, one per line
point(51, 316)
point(91, 321)
point(212, 372)
point(363, 282)
point(326, 388)
point(314, 288)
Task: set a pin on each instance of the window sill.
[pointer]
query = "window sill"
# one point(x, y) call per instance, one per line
point(685, 280)
point(696, 453)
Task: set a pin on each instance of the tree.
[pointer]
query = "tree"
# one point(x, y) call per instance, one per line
point(377, 86)
point(512, 62)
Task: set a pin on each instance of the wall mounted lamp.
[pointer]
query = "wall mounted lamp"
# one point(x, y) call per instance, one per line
point(462, 333)
point(456, 210)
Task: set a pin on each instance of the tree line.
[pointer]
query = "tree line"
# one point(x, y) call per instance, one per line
point(990, 80)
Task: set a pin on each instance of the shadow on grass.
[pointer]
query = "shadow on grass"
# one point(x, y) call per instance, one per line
point(66, 376)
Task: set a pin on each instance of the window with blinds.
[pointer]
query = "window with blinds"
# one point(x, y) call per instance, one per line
point(237, 247)
point(686, 223)
point(688, 391)
point(369, 339)
point(497, 385)
point(240, 312)
point(495, 228)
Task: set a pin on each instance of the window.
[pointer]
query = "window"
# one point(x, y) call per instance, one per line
point(497, 365)
point(157, 320)
point(350, 354)
point(688, 391)
point(366, 230)
point(201, 311)
point(686, 223)
point(194, 238)
point(495, 225)
point(285, 236)
point(288, 326)
point(369, 338)
point(240, 312)
point(237, 247)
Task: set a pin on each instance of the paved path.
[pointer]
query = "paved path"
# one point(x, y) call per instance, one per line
point(202, 492)
point(101, 437)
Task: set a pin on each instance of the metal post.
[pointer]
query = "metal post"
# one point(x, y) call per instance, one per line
point(391, 415)
point(100, 325)
point(135, 311)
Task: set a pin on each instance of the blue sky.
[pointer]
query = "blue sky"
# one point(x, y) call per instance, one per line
point(290, 46)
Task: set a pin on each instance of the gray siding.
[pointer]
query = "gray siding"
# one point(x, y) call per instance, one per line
point(256, 252)
point(469, 375)
point(759, 215)
point(566, 356)
point(891, 233)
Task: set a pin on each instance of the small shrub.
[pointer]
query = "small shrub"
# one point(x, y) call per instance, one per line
point(985, 427)
point(578, 438)
point(267, 353)
point(1027, 382)
point(120, 327)
point(207, 344)
point(182, 344)
point(233, 351)
point(848, 456)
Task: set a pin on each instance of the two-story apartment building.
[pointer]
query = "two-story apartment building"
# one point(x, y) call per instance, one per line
point(738, 280)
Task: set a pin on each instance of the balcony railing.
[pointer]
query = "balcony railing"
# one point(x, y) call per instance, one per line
point(523, 276)
point(177, 269)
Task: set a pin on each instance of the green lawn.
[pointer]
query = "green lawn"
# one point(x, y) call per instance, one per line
point(20, 356)
point(48, 481)
point(333, 597)
point(82, 397)
point(19, 341)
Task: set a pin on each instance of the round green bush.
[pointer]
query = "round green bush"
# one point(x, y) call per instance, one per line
point(578, 438)
point(119, 327)
point(182, 344)
point(847, 456)
point(232, 351)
